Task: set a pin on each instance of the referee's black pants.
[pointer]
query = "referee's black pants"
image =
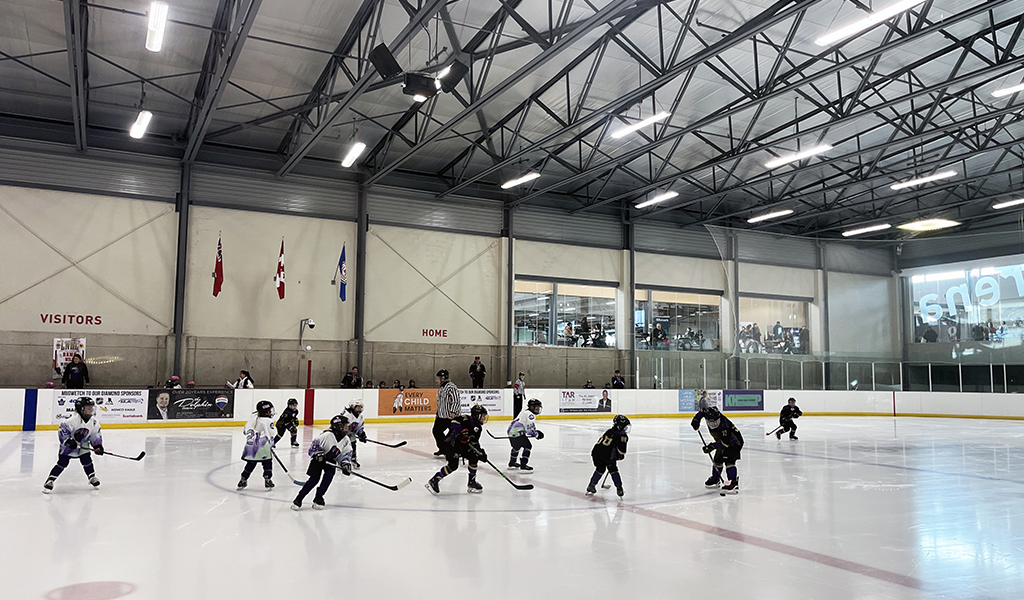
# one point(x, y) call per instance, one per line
point(441, 426)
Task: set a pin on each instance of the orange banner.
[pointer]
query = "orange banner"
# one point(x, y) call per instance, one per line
point(406, 403)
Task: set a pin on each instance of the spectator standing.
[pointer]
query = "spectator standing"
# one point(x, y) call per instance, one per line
point(477, 372)
point(244, 381)
point(382, 385)
point(190, 385)
point(448, 407)
point(352, 380)
point(369, 384)
point(412, 384)
point(589, 385)
point(618, 382)
point(777, 330)
point(174, 383)
point(76, 374)
point(518, 393)
point(584, 332)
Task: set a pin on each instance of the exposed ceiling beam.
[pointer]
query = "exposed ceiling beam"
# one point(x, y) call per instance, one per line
point(76, 32)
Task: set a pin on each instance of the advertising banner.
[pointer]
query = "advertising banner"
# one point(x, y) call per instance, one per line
point(64, 349)
point(492, 400)
point(584, 401)
point(687, 401)
point(743, 400)
point(191, 404)
point(406, 403)
point(112, 406)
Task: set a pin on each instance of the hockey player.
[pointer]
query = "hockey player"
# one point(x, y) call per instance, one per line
point(520, 431)
point(259, 441)
point(608, 450)
point(463, 440)
point(354, 414)
point(77, 436)
point(726, 445)
point(329, 451)
point(789, 413)
point(289, 421)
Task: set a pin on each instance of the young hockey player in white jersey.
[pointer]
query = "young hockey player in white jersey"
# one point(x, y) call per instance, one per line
point(354, 414)
point(259, 440)
point(78, 435)
point(522, 428)
point(331, 450)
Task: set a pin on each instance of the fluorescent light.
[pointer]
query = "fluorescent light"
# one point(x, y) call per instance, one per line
point(771, 215)
point(946, 276)
point(928, 224)
point(868, 229)
point(353, 154)
point(1013, 89)
point(1008, 204)
point(520, 180)
point(140, 125)
point(789, 158)
point(657, 199)
point(867, 22)
point(157, 23)
point(912, 182)
point(635, 126)
point(419, 98)
point(444, 72)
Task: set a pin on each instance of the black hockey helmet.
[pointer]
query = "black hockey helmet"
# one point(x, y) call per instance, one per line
point(265, 408)
point(293, 402)
point(479, 413)
point(443, 375)
point(356, 407)
point(532, 404)
point(80, 405)
point(711, 412)
point(621, 422)
point(792, 400)
point(339, 425)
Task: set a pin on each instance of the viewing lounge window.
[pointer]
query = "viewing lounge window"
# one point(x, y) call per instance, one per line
point(677, 321)
point(982, 304)
point(583, 315)
point(771, 326)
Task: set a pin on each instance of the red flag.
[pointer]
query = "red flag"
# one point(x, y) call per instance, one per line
point(218, 270)
point(279, 278)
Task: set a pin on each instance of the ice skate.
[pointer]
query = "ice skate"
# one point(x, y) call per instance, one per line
point(48, 486)
point(525, 468)
point(432, 486)
point(513, 465)
point(318, 503)
point(242, 483)
point(778, 435)
point(296, 504)
point(733, 487)
point(621, 492)
point(268, 483)
point(713, 482)
point(355, 464)
point(94, 481)
point(793, 437)
point(591, 490)
point(474, 487)
point(295, 444)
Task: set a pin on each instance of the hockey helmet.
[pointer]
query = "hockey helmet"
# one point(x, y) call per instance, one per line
point(80, 406)
point(479, 413)
point(534, 406)
point(339, 425)
point(293, 402)
point(265, 408)
point(443, 375)
point(621, 422)
point(356, 407)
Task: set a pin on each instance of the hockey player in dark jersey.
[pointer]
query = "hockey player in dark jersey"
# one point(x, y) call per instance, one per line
point(608, 450)
point(463, 440)
point(726, 445)
point(329, 451)
point(789, 412)
point(289, 421)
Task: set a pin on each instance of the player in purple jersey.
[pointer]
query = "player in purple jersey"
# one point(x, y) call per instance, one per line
point(78, 435)
point(329, 451)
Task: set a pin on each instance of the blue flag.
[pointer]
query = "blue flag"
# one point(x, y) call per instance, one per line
point(344, 273)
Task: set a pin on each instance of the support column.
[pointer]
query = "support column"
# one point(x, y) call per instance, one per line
point(827, 358)
point(510, 297)
point(629, 237)
point(183, 204)
point(362, 226)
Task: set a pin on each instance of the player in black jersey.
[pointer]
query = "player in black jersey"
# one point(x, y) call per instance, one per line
point(463, 440)
point(727, 445)
point(789, 412)
point(289, 421)
point(608, 450)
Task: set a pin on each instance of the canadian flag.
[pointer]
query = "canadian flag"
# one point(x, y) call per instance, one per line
point(218, 270)
point(279, 278)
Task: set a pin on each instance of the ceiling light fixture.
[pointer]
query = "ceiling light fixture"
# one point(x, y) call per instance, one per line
point(140, 125)
point(927, 179)
point(929, 225)
point(619, 133)
point(868, 229)
point(419, 86)
point(157, 24)
point(867, 22)
point(353, 154)
point(659, 198)
point(520, 180)
point(772, 215)
point(1008, 204)
point(451, 75)
point(1013, 89)
point(790, 158)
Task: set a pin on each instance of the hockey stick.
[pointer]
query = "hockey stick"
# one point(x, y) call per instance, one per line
point(528, 486)
point(393, 488)
point(294, 480)
point(773, 431)
point(139, 457)
point(605, 486)
point(705, 445)
point(504, 437)
point(398, 445)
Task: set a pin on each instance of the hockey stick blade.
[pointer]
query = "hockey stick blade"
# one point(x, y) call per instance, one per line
point(139, 457)
point(393, 488)
point(528, 486)
point(398, 445)
point(773, 431)
point(505, 437)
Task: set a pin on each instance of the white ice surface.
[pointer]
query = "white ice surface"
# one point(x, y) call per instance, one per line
point(857, 508)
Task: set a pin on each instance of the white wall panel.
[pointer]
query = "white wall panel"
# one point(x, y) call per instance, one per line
point(679, 271)
point(85, 255)
point(248, 305)
point(12, 407)
point(575, 262)
point(863, 315)
point(782, 281)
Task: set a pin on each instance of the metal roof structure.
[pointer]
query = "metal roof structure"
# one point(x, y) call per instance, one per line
point(287, 86)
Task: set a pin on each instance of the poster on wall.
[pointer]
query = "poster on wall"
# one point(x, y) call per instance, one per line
point(584, 401)
point(190, 404)
point(64, 349)
point(687, 400)
point(406, 403)
point(112, 406)
point(743, 400)
point(492, 400)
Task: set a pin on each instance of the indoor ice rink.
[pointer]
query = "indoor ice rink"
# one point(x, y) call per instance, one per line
point(730, 295)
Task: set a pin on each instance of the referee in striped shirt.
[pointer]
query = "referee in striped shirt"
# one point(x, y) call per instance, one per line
point(448, 407)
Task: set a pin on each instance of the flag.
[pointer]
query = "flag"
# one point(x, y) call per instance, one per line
point(344, 273)
point(218, 270)
point(279, 278)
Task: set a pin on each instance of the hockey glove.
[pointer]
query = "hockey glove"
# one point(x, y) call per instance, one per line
point(346, 468)
point(362, 436)
point(98, 450)
point(709, 449)
point(71, 443)
point(695, 425)
point(540, 435)
point(479, 453)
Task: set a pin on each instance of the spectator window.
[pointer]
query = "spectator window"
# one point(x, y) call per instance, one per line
point(565, 314)
point(980, 305)
point(533, 312)
point(677, 321)
point(773, 326)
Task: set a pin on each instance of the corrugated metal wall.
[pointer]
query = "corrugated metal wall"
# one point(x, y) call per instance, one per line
point(848, 258)
point(551, 225)
point(666, 238)
point(408, 208)
point(781, 250)
point(265, 192)
point(941, 250)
